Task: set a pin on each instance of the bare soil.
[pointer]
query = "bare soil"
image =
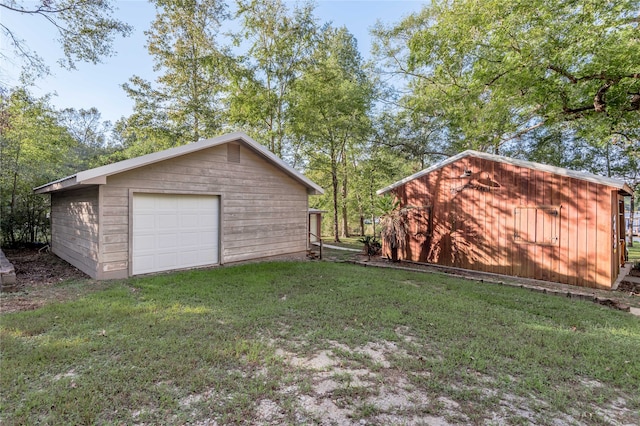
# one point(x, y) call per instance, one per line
point(41, 277)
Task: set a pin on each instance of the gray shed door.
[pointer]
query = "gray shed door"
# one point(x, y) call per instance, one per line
point(174, 231)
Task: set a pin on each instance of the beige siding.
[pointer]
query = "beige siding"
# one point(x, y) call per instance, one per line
point(263, 210)
point(114, 235)
point(74, 226)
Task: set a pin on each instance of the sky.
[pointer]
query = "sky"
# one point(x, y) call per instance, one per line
point(100, 85)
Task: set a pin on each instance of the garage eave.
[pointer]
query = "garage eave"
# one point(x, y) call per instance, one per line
point(57, 185)
point(99, 175)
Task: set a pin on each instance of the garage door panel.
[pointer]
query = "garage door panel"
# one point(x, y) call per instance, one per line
point(166, 220)
point(190, 240)
point(190, 221)
point(145, 203)
point(144, 242)
point(167, 241)
point(166, 261)
point(144, 222)
point(173, 231)
point(208, 236)
point(145, 262)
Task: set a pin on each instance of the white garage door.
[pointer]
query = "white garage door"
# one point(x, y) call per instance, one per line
point(172, 231)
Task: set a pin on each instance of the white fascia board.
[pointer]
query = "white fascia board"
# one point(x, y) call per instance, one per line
point(422, 172)
point(56, 185)
point(262, 150)
point(99, 175)
point(589, 177)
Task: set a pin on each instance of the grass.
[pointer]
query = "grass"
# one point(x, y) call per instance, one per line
point(634, 252)
point(200, 345)
point(346, 242)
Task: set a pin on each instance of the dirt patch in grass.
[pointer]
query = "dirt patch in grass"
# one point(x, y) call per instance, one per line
point(41, 277)
point(629, 287)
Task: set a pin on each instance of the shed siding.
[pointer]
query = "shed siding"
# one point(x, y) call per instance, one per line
point(473, 222)
point(74, 228)
point(264, 210)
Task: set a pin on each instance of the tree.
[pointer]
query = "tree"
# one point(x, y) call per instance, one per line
point(333, 98)
point(280, 43)
point(419, 139)
point(91, 134)
point(34, 149)
point(497, 72)
point(192, 67)
point(372, 168)
point(85, 28)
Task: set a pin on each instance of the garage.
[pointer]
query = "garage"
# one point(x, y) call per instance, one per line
point(213, 202)
point(174, 231)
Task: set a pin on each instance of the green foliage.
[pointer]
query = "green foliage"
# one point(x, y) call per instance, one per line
point(185, 103)
point(330, 115)
point(34, 149)
point(39, 144)
point(85, 30)
point(280, 45)
point(91, 136)
point(495, 73)
point(371, 245)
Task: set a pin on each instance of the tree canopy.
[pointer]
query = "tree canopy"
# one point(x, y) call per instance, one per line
point(556, 82)
point(499, 69)
point(85, 30)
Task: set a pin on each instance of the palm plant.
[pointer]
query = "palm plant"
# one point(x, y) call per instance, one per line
point(395, 229)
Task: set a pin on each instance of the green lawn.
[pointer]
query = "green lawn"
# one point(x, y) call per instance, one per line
point(634, 252)
point(347, 242)
point(295, 343)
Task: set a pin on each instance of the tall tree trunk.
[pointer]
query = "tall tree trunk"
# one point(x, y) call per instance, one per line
point(372, 206)
point(360, 213)
point(12, 206)
point(632, 207)
point(345, 216)
point(334, 184)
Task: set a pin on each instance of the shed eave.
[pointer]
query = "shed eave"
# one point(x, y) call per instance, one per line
point(626, 190)
point(589, 177)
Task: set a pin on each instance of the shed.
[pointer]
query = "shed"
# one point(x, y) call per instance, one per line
point(211, 202)
point(496, 214)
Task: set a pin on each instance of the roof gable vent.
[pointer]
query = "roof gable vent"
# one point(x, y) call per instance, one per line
point(233, 152)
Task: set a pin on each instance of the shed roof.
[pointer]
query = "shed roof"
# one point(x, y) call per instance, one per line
point(590, 177)
point(99, 174)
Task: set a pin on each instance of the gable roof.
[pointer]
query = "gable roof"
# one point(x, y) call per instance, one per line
point(99, 174)
point(589, 177)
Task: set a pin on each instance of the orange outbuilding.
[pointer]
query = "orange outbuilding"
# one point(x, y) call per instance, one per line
point(495, 214)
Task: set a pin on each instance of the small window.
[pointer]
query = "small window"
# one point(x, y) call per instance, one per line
point(233, 153)
point(537, 225)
